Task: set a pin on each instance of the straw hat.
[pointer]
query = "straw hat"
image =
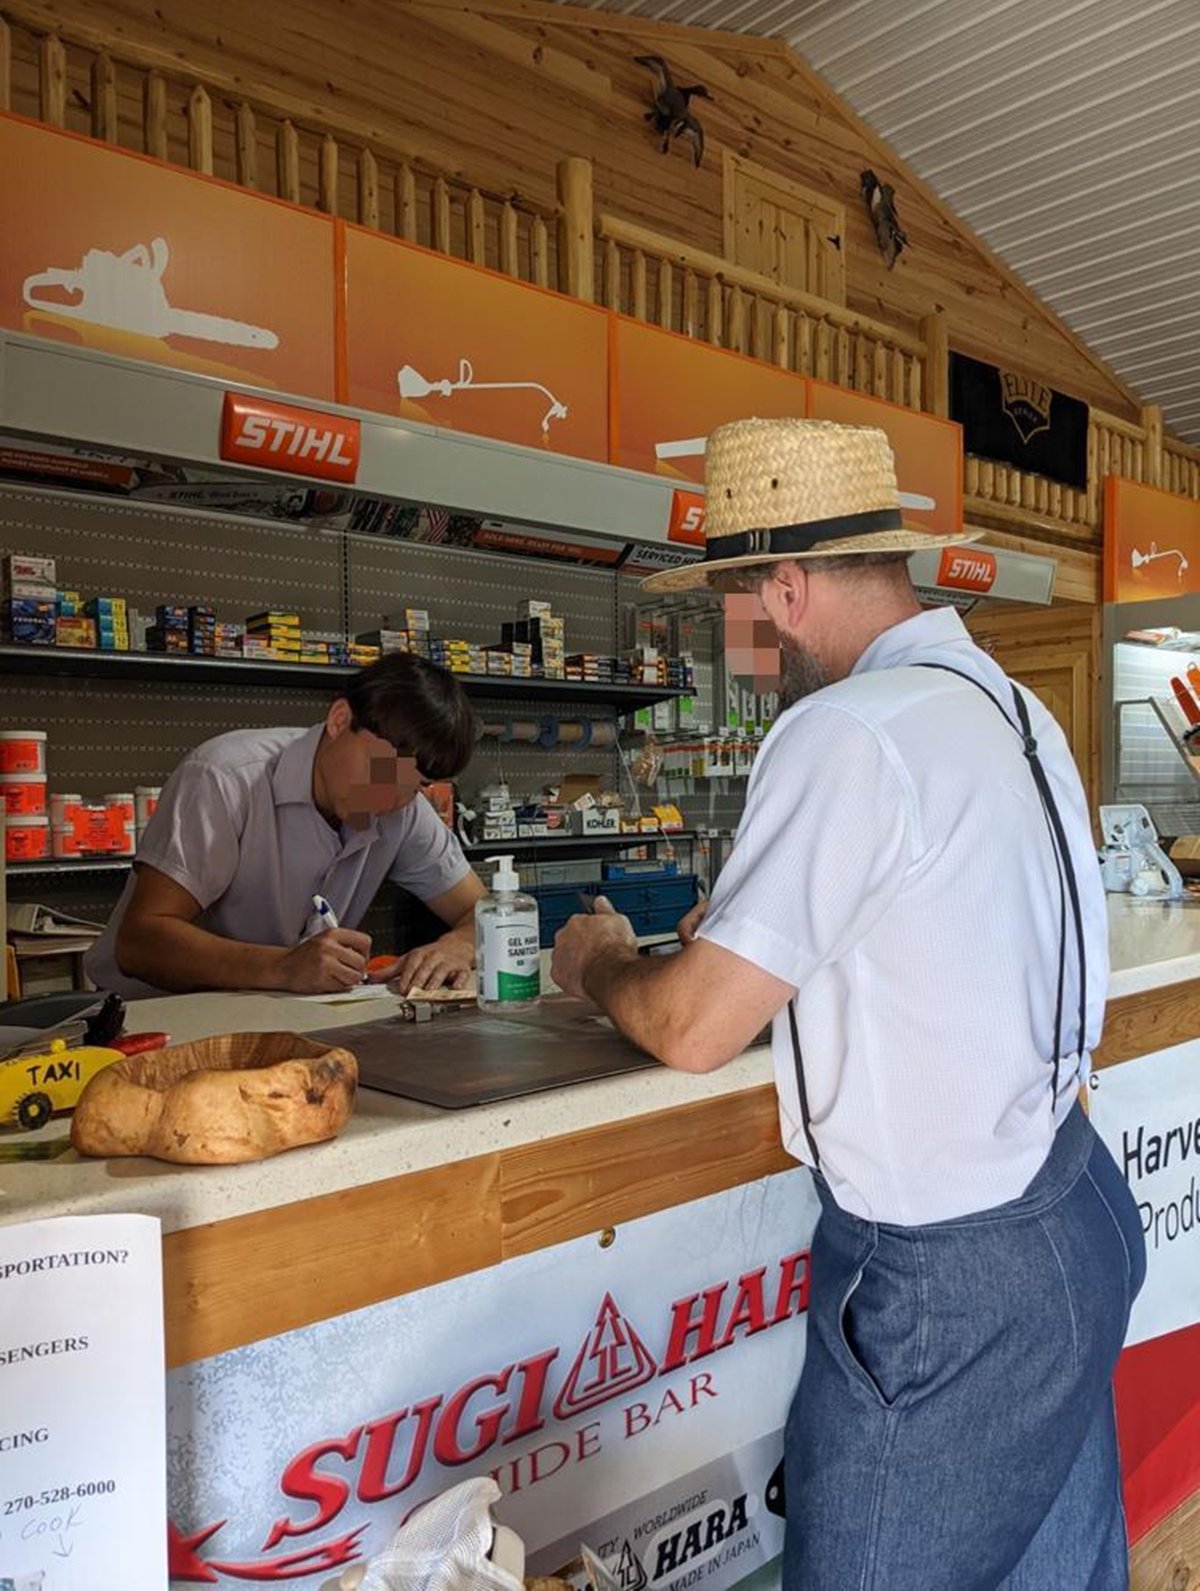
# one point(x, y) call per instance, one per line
point(781, 489)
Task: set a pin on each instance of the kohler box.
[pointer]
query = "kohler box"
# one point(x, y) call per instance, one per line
point(596, 820)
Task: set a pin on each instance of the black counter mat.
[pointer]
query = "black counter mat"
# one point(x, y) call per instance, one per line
point(471, 1058)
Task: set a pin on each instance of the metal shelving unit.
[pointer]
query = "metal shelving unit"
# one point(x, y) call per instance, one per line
point(56, 661)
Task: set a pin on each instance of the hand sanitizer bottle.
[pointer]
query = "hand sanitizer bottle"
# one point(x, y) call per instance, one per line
point(508, 959)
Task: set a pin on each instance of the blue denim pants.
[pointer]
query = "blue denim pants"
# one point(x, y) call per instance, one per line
point(953, 1428)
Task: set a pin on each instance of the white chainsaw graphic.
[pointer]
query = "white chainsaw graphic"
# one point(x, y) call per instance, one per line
point(125, 292)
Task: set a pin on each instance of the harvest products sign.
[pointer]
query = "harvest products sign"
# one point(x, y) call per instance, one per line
point(581, 1380)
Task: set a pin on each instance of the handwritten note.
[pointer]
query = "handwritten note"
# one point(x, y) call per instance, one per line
point(82, 1405)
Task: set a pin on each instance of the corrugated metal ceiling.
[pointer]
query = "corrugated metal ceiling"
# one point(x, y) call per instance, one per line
point(1067, 136)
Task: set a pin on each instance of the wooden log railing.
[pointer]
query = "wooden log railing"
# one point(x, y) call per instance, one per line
point(83, 84)
point(687, 290)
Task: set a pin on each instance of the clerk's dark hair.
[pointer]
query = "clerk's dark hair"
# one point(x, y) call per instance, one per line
point(421, 708)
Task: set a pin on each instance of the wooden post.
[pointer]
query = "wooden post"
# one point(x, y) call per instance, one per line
point(666, 294)
point(510, 252)
point(287, 160)
point(863, 363)
point(476, 228)
point(970, 476)
point(104, 98)
point(916, 383)
point(783, 337)
point(843, 368)
point(1094, 484)
point(246, 146)
point(879, 375)
point(640, 295)
point(368, 189)
point(736, 326)
point(576, 229)
point(691, 303)
point(440, 201)
point(406, 204)
point(1055, 500)
point(803, 343)
point(52, 80)
point(539, 251)
point(200, 133)
point(328, 176)
point(715, 311)
point(154, 116)
point(1152, 421)
point(936, 337)
point(822, 359)
point(5, 65)
point(612, 274)
point(898, 393)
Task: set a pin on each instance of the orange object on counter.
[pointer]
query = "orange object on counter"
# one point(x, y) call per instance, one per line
point(1193, 677)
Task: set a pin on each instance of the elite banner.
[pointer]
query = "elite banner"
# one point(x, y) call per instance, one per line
point(1017, 420)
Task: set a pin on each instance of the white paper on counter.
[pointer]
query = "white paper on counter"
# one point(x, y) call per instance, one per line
point(82, 1404)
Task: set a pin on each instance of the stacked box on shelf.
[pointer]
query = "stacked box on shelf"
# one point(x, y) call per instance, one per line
point(169, 632)
point(202, 631)
point(279, 630)
point(111, 618)
point(228, 640)
point(30, 599)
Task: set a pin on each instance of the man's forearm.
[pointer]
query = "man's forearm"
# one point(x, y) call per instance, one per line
point(183, 958)
point(632, 991)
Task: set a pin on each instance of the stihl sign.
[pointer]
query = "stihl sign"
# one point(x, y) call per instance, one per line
point(967, 569)
point(687, 518)
point(277, 436)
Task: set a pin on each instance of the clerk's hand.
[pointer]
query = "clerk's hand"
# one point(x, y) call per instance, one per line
point(584, 939)
point(445, 964)
point(688, 924)
point(326, 963)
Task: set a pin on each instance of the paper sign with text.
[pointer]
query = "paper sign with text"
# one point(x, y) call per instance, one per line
point(1148, 1113)
point(82, 1409)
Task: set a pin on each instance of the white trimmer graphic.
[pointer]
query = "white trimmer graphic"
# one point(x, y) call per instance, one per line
point(413, 385)
point(125, 292)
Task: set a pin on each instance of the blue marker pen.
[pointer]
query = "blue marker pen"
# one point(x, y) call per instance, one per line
point(325, 912)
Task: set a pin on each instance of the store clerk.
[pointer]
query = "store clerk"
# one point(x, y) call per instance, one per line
point(253, 824)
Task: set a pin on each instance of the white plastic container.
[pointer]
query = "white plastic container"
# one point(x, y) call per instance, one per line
point(62, 807)
point(145, 798)
point(23, 795)
point(26, 839)
point(22, 751)
point(508, 961)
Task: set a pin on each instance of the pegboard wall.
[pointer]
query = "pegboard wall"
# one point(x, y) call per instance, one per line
point(115, 735)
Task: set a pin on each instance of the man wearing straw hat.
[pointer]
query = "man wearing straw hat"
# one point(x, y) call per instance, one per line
point(913, 898)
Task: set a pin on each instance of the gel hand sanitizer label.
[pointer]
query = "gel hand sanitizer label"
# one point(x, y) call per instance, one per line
point(510, 965)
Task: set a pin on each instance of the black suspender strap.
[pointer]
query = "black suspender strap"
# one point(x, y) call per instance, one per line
point(1067, 886)
point(1067, 883)
point(805, 1118)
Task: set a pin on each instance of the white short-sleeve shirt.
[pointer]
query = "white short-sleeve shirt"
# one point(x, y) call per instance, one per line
point(894, 865)
point(238, 829)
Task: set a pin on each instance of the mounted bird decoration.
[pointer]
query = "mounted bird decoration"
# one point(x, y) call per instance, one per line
point(881, 207)
point(671, 115)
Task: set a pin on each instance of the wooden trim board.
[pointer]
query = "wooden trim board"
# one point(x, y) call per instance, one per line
point(255, 1276)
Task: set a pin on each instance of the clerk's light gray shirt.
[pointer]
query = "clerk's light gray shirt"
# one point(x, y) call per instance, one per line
point(238, 829)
